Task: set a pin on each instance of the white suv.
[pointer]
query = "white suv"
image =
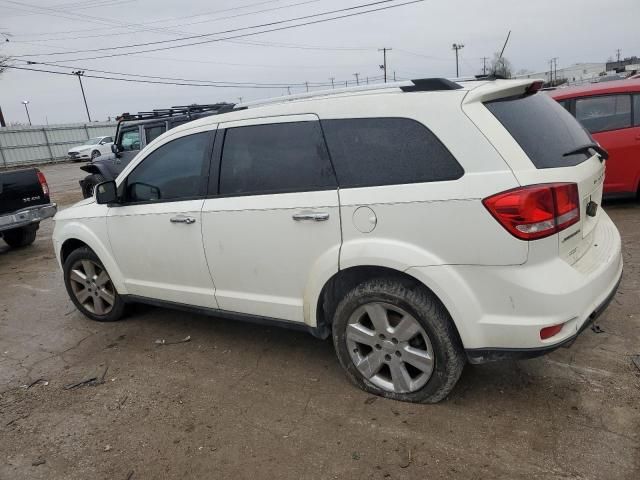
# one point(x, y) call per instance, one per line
point(422, 224)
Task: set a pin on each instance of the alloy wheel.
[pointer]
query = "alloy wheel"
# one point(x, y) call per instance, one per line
point(92, 287)
point(389, 347)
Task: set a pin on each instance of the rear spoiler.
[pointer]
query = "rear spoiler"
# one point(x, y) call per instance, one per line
point(496, 89)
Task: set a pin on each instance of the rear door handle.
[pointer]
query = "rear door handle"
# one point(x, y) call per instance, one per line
point(182, 219)
point(313, 216)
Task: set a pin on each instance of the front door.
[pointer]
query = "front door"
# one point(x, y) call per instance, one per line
point(156, 234)
point(274, 224)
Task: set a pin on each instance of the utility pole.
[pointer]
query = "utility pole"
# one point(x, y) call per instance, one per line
point(2, 122)
point(384, 61)
point(555, 68)
point(332, 80)
point(457, 47)
point(357, 75)
point(346, 84)
point(551, 71)
point(25, 103)
point(367, 80)
point(618, 55)
point(394, 75)
point(306, 84)
point(79, 74)
point(288, 90)
point(484, 65)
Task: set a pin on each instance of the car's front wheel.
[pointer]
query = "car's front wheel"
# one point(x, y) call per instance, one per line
point(95, 154)
point(90, 287)
point(396, 340)
point(89, 184)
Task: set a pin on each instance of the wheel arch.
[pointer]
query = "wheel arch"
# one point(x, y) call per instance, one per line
point(344, 280)
point(76, 235)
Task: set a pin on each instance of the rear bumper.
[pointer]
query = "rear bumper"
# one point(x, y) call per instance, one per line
point(501, 309)
point(27, 216)
point(485, 355)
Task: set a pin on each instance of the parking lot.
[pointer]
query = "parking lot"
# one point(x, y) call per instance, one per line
point(241, 400)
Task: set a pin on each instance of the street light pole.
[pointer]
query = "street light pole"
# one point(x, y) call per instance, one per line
point(25, 103)
point(456, 47)
point(79, 74)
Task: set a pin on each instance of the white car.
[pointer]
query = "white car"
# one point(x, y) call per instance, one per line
point(421, 224)
point(91, 149)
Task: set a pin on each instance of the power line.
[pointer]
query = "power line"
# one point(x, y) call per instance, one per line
point(220, 84)
point(166, 29)
point(191, 37)
point(108, 72)
point(142, 24)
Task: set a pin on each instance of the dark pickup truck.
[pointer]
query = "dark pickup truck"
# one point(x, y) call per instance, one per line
point(24, 202)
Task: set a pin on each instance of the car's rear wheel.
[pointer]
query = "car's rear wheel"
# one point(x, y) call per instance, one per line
point(95, 154)
point(20, 237)
point(90, 287)
point(396, 340)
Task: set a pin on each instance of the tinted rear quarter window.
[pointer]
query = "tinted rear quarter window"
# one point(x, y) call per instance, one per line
point(542, 128)
point(387, 151)
point(275, 158)
point(636, 109)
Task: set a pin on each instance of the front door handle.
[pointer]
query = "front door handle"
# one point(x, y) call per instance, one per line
point(314, 216)
point(182, 219)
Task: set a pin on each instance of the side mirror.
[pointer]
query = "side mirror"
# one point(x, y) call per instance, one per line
point(106, 192)
point(114, 148)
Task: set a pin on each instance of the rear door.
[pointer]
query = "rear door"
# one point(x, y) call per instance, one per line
point(609, 119)
point(272, 221)
point(542, 143)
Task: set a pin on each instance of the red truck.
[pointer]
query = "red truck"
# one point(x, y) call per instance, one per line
point(611, 113)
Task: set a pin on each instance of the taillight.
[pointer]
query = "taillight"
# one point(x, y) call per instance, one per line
point(43, 182)
point(534, 87)
point(536, 211)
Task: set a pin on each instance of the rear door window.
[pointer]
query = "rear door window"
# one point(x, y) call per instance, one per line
point(153, 132)
point(387, 151)
point(604, 112)
point(636, 109)
point(275, 158)
point(543, 129)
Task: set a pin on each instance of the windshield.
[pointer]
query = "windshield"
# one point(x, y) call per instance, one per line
point(544, 129)
point(93, 141)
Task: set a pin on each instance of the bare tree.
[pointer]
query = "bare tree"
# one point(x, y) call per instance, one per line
point(500, 66)
point(4, 60)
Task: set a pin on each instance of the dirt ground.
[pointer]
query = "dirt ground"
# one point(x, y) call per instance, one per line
point(245, 401)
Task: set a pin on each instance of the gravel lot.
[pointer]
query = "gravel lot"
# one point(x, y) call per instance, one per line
point(245, 401)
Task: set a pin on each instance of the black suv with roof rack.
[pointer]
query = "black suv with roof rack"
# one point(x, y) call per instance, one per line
point(134, 132)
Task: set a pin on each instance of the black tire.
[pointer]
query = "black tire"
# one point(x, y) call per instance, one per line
point(90, 183)
point(20, 237)
point(117, 310)
point(448, 353)
point(95, 154)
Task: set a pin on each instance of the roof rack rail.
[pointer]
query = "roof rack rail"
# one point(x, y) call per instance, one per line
point(177, 110)
point(430, 85)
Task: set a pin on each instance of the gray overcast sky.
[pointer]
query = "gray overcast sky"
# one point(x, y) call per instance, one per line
point(420, 34)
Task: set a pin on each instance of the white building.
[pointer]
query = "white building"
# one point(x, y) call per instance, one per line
point(578, 73)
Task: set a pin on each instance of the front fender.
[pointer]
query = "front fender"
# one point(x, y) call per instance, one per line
point(92, 232)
